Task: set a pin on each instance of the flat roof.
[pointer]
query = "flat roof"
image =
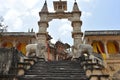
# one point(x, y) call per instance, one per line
point(102, 33)
point(18, 34)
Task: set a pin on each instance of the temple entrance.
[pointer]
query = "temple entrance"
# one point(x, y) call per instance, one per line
point(60, 8)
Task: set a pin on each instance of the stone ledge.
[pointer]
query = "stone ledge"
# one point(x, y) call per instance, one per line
point(7, 76)
point(98, 77)
point(24, 65)
point(30, 60)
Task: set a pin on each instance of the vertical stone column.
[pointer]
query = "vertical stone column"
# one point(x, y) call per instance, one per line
point(76, 24)
point(14, 43)
point(41, 36)
point(42, 33)
point(105, 46)
point(76, 34)
point(41, 39)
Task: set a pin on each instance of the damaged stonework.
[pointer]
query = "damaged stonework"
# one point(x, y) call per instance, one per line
point(9, 59)
point(5, 60)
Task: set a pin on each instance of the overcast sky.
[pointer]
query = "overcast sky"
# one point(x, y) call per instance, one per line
point(21, 15)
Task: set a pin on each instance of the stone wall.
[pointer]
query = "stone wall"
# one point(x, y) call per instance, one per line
point(5, 60)
point(8, 60)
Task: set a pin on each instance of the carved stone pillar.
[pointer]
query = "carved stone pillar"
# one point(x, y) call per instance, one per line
point(41, 37)
point(14, 43)
point(76, 24)
point(76, 34)
point(41, 43)
point(106, 51)
point(42, 33)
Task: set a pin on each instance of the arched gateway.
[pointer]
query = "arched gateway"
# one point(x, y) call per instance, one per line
point(60, 8)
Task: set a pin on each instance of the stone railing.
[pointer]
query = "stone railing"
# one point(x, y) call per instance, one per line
point(94, 66)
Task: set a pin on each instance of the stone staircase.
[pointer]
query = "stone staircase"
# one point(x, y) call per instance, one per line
point(34, 68)
point(55, 70)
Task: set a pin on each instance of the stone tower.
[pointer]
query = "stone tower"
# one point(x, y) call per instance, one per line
point(60, 7)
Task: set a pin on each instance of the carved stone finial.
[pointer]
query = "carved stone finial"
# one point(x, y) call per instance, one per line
point(75, 6)
point(44, 8)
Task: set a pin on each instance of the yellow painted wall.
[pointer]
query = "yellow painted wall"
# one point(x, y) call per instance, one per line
point(111, 48)
point(21, 47)
point(97, 48)
point(7, 45)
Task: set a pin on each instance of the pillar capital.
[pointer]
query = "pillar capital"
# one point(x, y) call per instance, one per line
point(76, 34)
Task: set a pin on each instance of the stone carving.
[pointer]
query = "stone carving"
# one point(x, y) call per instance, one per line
point(36, 50)
point(41, 50)
point(86, 50)
point(82, 48)
point(31, 49)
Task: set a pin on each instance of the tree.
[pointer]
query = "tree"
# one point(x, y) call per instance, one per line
point(3, 27)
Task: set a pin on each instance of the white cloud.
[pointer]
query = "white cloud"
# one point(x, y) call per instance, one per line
point(29, 3)
point(50, 9)
point(53, 40)
point(65, 29)
point(18, 24)
point(11, 14)
point(64, 21)
point(87, 0)
point(35, 12)
point(16, 12)
point(13, 20)
point(8, 3)
point(86, 14)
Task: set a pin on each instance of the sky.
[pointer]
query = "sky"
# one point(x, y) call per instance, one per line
point(22, 15)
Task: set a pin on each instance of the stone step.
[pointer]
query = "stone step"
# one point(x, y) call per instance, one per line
point(52, 73)
point(55, 70)
point(43, 65)
point(55, 73)
point(59, 78)
point(34, 77)
point(65, 72)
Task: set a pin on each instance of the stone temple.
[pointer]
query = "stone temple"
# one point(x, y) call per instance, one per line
point(32, 56)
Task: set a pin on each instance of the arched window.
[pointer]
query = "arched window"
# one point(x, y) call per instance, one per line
point(21, 47)
point(112, 47)
point(98, 47)
point(7, 45)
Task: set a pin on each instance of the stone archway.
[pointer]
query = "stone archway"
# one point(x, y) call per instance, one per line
point(73, 17)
